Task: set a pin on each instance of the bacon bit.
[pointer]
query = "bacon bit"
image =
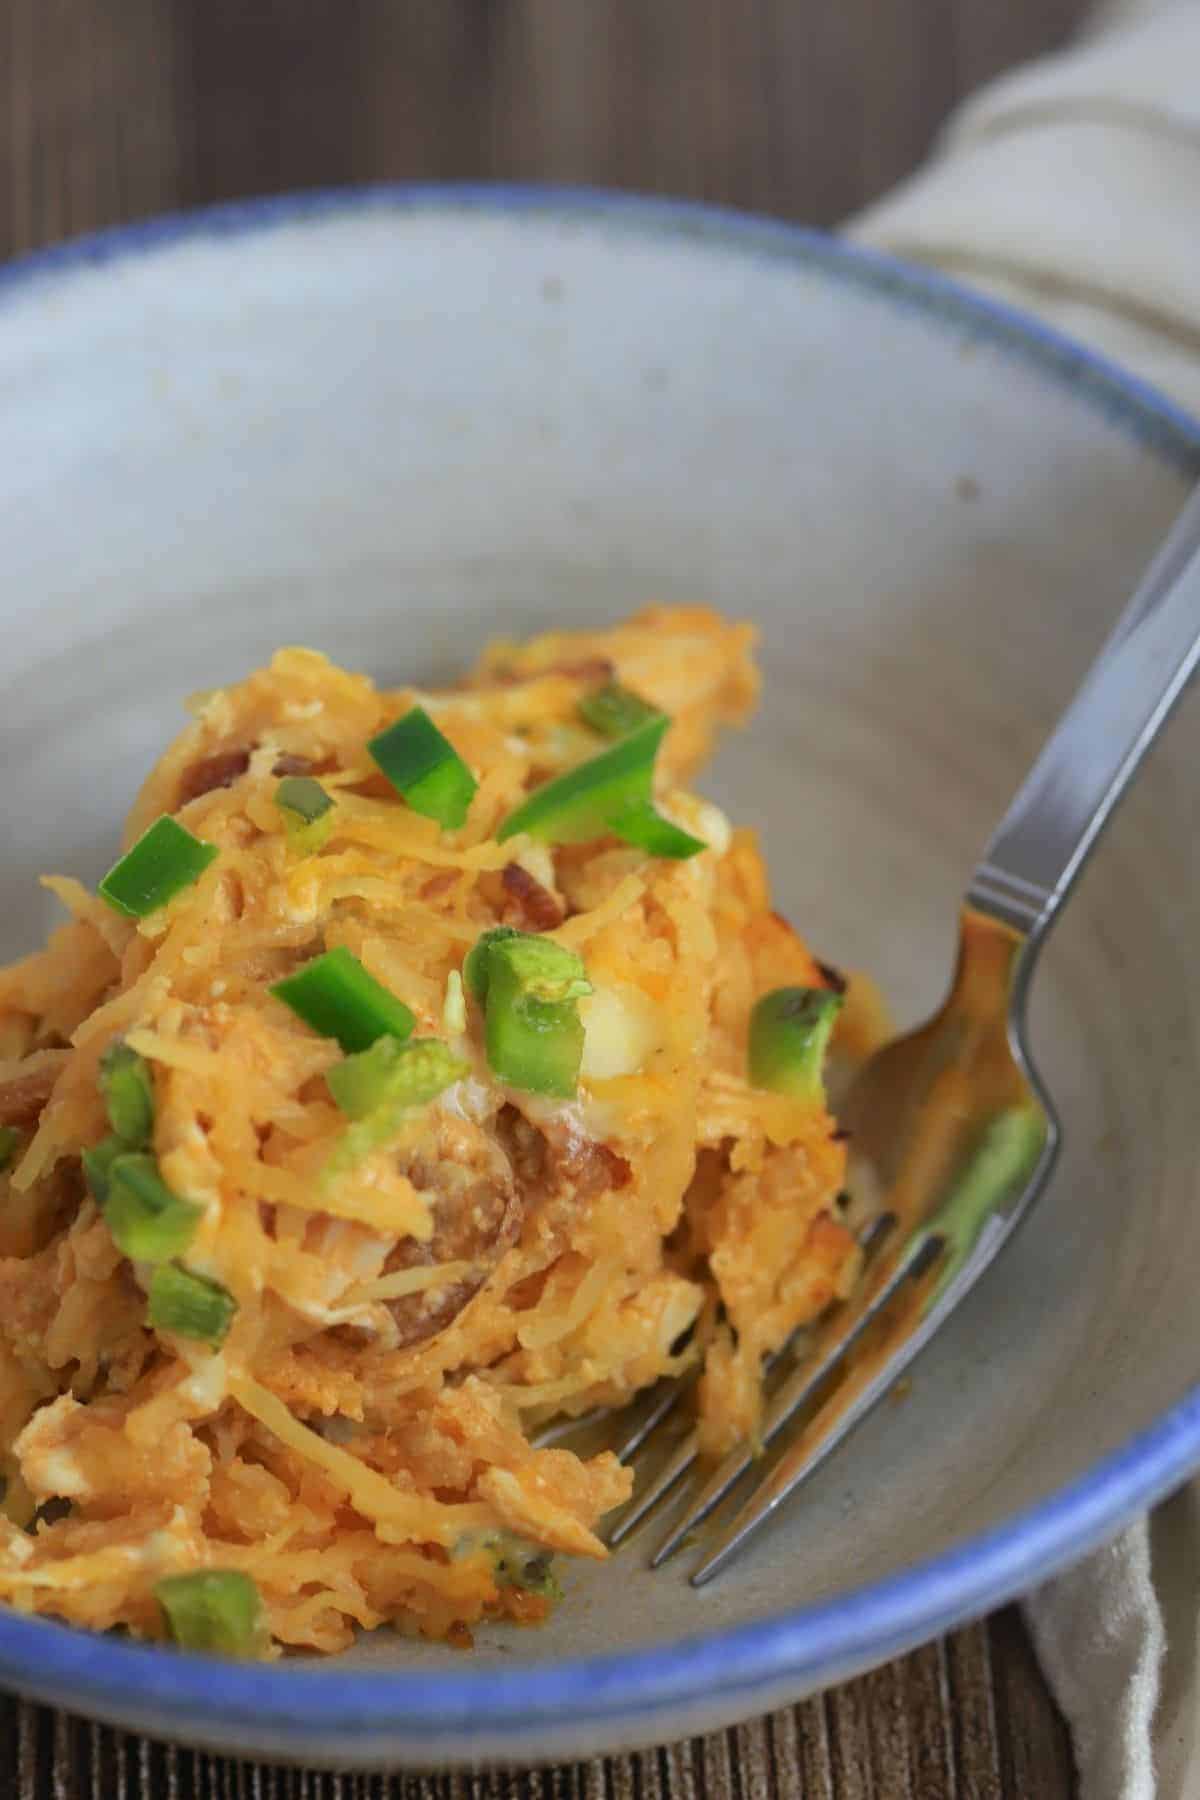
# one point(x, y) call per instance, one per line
point(220, 770)
point(839, 1136)
point(22, 1097)
point(287, 764)
point(459, 1636)
point(833, 978)
point(439, 884)
point(589, 668)
point(537, 909)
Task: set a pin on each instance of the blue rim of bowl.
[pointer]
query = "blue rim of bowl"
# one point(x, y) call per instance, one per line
point(307, 1704)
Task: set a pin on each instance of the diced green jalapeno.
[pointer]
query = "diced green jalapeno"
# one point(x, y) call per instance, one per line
point(98, 1160)
point(165, 860)
point(643, 826)
point(531, 988)
point(789, 1034)
point(335, 995)
point(611, 792)
point(425, 768)
point(190, 1305)
point(214, 1610)
point(475, 968)
point(148, 1222)
point(614, 711)
point(393, 1074)
point(128, 1090)
point(307, 812)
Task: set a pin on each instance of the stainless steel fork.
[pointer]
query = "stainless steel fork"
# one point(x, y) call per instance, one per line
point(950, 1126)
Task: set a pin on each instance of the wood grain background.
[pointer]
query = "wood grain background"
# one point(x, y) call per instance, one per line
point(113, 109)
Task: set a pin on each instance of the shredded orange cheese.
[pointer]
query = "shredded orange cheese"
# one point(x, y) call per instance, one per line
point(408, 1313)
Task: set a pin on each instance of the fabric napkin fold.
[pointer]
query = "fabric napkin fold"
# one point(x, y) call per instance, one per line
point(1072, 189)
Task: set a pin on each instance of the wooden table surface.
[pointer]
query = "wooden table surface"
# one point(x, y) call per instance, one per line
point(112, 109)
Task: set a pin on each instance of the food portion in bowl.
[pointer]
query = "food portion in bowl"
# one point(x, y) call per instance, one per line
point(430, 1066)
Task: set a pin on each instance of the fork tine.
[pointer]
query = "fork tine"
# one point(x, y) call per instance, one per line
point(665, 1402)
point(558, 1429)
point(673, 1470)
point(795, 1392)
point(672, 1393)
point(874, 1231)
point(800, 1462)
point(685, 1454)
point(872, 1235)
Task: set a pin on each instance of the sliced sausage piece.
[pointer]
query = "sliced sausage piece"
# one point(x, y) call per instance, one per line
point(558, 1160)
point(591, 1168)
point(477, 1216)
point(483, 1185)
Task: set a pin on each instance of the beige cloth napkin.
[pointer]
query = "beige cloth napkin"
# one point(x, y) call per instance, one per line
point(1072, 188)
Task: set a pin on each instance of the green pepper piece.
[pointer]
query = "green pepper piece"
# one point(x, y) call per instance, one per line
point(148, 1222)
point(378, 1089)
point(394, 1074)
point(165, 860)
point(128, 1090)
point(189, 1305)
point(98, 1160)
point(614, 711)
point(214, 1610)
point(610, 792)
point(423, 765)
point(307, 812)
point(335, 995)
point(533, 1031)
point(643, 826)
point(583, 803)
point(789, 1034)
point(475, 968)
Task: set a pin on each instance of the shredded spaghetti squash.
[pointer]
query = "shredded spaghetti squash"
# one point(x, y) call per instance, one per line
point(405, 1292)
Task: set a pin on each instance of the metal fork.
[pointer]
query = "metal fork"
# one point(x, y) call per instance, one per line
point(950, 1126)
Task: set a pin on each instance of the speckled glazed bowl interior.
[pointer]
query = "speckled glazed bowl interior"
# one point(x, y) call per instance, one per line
point(390, 425)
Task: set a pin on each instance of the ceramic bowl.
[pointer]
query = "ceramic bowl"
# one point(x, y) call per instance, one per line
point(392, 423)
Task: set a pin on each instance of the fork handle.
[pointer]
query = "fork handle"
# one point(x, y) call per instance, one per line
point(1066, 800)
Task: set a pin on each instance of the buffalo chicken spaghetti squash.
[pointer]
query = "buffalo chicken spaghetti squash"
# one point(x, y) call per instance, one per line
point(431, 1065)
